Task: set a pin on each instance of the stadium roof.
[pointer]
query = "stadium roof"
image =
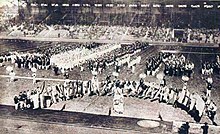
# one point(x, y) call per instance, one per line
point(121, 1)
point(209, 4)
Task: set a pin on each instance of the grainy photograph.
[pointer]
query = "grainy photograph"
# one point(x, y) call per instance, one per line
point(109, 66)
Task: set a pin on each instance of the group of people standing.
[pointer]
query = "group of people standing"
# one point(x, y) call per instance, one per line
point(210, 68)
point(47, 95)
point(26, 60)
point(116, 56)
point(154, 63)
point(178, 66)
point(29, 61)
point(174, 65)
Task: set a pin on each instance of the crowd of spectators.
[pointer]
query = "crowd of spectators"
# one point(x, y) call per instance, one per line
point(203, 35)
point(161, 34)
point(26, 29)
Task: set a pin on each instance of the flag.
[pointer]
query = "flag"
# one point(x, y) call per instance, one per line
point(200, 104)
point(42, 87)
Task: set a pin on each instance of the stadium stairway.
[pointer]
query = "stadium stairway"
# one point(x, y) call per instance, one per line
point(43, 33)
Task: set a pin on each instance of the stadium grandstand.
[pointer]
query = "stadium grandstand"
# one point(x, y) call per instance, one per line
point(171, 13)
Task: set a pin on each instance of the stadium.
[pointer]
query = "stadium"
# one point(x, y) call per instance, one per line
point(117, 66)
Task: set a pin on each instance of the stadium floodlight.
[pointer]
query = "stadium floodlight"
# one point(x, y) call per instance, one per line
point(76, 5)
point(120, 5)
point(54, 5)
point(182, 6)
point(43, 5)
point(195, 6)
point(109, 5)
point(132, 5)
point(208, 6)
point(156, 5)
point(86, 5)
point(98, 5)
point(169, 5)
point(145, 5)
point(65, 5)
point(34, 4)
